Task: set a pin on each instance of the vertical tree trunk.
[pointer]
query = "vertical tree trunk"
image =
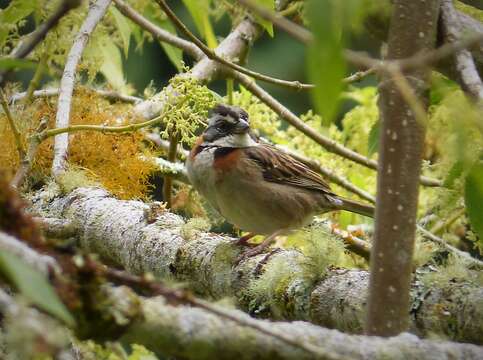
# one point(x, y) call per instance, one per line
point(413, 29)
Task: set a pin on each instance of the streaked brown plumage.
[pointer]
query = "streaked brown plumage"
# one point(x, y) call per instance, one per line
point(255, 186)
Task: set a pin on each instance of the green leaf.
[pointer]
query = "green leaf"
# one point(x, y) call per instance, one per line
point(174, 54)
point(11, 64)
point(266, 24)
point(12, 14)
point(17, 10)
point(34, 286)
point(199, 10)
point(474, 198)
point(123, 27)
point(325, 62)
point(454, 173)
point(112, 65)
point(373, 140)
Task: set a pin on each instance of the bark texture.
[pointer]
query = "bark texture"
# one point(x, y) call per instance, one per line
point(127, 234)
point(194, 334)
point(413, 29)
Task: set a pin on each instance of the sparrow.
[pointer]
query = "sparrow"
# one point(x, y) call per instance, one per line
point(255, 186)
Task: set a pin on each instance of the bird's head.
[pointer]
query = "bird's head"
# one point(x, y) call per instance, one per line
point(227, 126)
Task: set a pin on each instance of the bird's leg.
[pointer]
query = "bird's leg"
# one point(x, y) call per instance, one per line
point(243, 241)
point(259, 248)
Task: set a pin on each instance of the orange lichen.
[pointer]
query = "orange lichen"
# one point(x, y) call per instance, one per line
point(117, 161)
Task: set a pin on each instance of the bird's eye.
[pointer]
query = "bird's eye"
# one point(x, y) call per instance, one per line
point(222, 127)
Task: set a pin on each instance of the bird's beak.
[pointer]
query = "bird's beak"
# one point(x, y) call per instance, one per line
point(242, 127)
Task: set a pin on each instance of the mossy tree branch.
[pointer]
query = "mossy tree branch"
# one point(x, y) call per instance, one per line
point(120, 231)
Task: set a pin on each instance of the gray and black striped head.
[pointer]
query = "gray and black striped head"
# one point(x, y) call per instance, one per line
point(226, 121)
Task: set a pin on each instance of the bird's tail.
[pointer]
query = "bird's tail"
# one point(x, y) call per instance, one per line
point(356, 207)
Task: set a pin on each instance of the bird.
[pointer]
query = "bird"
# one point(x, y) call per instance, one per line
point(255, 186)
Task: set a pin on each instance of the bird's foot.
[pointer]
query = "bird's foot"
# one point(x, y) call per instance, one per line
point(251, 252)
point(257, 249)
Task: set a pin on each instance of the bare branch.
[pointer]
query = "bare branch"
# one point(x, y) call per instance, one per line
point(316, 166)
point(465, 65)
point(13, 127)
point(418, 60)
point(111, 95)
point(157, 32)
point(61, 143)
point(212, 54)
point(327, 143)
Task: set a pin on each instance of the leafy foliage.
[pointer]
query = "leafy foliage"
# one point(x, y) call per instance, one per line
point(474, 199)
point(186, 106)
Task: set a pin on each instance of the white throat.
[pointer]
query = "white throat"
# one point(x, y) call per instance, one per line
point(235, 140)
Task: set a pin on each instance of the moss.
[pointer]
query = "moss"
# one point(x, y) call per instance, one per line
point(193, 227)
point(321, 250)
point(454, 269)
point(73, 178)
point(423, 252)
point(268, 290)
point(118, 162)
point(472, 11)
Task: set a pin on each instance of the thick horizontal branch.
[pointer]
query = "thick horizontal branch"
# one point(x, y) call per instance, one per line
point(192, 333)
point(123, 233)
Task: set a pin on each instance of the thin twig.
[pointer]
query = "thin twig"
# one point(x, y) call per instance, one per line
point(329, 144)
point(39, 34)
point(408, 94)
point(430, 236)
point(101, 128)
point(157, 32)
point(360, 59)
point(27, 161)
point(191, 48)
point(213, 56)
point(184, 297)
point(61, 143)
point(317, 167)
point(445, 223)
point(111, 95)
point(13, 127)
point(168, 180)
point(35, 82)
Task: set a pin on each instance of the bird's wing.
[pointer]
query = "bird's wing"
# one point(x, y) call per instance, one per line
point(284, 169)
